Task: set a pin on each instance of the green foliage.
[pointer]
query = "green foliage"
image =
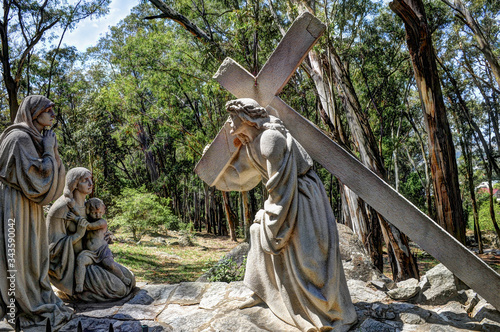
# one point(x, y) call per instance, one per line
point(485, 222)
point(227, 271)
point(139, 211)
point(412, 189)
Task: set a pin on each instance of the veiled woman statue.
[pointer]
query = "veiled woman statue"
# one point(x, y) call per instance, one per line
point(66, 243)
point(31, 175)
point(294, 262)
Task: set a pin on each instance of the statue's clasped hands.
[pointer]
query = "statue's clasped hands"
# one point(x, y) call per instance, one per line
point(81, 223)
point(48, 139)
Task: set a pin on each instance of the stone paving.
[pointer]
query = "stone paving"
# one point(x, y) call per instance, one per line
point(211, 307)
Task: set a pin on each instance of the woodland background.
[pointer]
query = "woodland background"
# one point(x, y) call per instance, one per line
point(139, 107)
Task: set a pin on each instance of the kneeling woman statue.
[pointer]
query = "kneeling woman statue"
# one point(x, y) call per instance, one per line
point(66, 243)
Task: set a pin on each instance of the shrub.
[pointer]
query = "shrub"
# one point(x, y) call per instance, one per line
point(227, 270)
point(139, 211)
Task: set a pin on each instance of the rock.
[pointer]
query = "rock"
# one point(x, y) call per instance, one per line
point(410, 318)
point(259, 315)
point(188, 293)
point(360, 293)
point(153, 294)
point(490, 325)
point(379, 284)
point(443, 286)
point(185, 318)
point(472, 300)
point(138, 312)
point(405, 290)
point(159, 240)
point(485, 310)
point(370, 325)
point(185, 240)
point(214, 295)
point(238, 291)
point(355, 260)
point(454, 314)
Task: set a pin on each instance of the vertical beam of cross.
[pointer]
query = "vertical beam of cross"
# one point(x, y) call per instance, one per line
point(279, 68)
point(372, 189)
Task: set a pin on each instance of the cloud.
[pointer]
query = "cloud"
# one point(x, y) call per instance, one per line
point(88, 32)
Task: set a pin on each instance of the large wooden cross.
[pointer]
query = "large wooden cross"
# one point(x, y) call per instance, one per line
point(264, 88)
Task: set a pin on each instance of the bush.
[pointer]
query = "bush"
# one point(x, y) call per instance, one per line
point(139, 211)
point(227, 271)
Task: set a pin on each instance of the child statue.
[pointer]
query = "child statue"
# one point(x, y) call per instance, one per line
point(96, 243)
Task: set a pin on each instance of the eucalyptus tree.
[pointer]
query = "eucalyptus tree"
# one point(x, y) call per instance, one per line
point(26, 23)
point(441, 149)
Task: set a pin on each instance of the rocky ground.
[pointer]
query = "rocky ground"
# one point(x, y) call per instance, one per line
point(200, 306)
point(436, 302)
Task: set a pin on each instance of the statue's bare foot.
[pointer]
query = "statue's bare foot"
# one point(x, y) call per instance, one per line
point(126, 281)
point(252, 301)
point(78, 288)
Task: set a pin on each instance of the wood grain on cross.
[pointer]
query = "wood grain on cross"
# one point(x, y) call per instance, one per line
point(371, 188)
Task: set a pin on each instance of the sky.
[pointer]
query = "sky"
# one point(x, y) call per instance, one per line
point(89, 31)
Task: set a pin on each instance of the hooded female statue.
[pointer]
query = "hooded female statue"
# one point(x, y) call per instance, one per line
point(294, 261)
point(66, 243)
point(31, 176)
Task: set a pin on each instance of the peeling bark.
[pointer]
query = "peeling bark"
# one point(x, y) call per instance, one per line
point(441, 150)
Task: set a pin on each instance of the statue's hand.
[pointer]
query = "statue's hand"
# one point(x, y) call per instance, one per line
point(259, 216)
point(49, 140)
point(81, 227)
point(71, 216)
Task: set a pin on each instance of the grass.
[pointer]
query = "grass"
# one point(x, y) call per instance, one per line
point(168, 262)
point(159, 258)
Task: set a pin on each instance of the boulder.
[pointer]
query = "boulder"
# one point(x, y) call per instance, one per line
point(356, 261)
point(405, 290)
point(443, 286)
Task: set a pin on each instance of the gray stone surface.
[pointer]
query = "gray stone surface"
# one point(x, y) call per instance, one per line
point(355, 260)
point(188, 293)
point(215, 294)
point(443, 285)
point(153, 294)
point(405, 290)
point(217, 311)
point(485, 310)
point(371, 325)
point(186, 318)
point(361, 293)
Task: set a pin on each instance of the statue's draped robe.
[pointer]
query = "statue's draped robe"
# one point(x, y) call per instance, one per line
point(294, 261)
point(29, 179)
point(100, 284)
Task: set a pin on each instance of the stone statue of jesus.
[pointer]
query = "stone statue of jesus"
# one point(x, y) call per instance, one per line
point(294, 263)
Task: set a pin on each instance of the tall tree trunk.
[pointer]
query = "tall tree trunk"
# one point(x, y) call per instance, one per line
point(466, 150)
point(246, 215)
point(442, 152)
point(230, 216)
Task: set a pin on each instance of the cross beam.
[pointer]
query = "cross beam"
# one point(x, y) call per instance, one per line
point(371, 188)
